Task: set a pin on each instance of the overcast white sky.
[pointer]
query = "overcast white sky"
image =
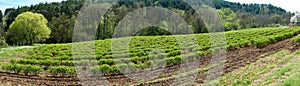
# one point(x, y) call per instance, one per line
point(289, 5)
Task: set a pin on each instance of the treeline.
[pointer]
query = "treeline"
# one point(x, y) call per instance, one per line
point(241, 16)
point(61, 16)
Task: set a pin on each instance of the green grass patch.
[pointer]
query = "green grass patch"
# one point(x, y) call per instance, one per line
point(283, 61)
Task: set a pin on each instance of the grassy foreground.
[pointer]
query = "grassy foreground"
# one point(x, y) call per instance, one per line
point(272, 70)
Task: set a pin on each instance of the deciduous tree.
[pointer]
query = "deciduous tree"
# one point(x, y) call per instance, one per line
point(28, 28)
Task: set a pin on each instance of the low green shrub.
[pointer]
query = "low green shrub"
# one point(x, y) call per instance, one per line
point(46, 63)
point(67, 63)
point(114, 69)
point(83, 62)
point(105, 69)
point(17, 68)
point(93, 63)
point(26, 69)
point(170, 61)
point(33, 70)
point(13, 61)
point(296, 39)
point(62, 71)
point(135, 59)
point(140, 66)
point(174, 53)
point(122, 67)
point(177, 59)
point(6, 67)
point(63, 58)
point(95, 70)
point(141, 53)
point(106, 61)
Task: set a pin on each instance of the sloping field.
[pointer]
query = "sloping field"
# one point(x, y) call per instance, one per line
point(54, 65)
point(280, 69)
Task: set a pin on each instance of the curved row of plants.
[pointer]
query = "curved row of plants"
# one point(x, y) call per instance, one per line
point(36, 70)
point(140, 52)
point(296, 39)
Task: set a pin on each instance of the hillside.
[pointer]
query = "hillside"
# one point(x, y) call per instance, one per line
point(55, 60)
point(249, 8)
point(235, 16)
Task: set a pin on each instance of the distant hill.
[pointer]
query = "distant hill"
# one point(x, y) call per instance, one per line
point(249, 8)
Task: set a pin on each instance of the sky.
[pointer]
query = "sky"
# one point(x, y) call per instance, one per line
point(15, 3)
point(289, 5)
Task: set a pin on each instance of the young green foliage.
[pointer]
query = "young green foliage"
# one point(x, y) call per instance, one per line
point(28, 28)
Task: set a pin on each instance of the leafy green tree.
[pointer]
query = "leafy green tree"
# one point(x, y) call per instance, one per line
point(244, 20)
point(28, 28)
point(61, 29)
point(2, 31)
point(275, 19)
point(1, 16)
point(229, 19)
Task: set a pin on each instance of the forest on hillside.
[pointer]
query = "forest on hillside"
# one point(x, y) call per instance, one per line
point(62, 15)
